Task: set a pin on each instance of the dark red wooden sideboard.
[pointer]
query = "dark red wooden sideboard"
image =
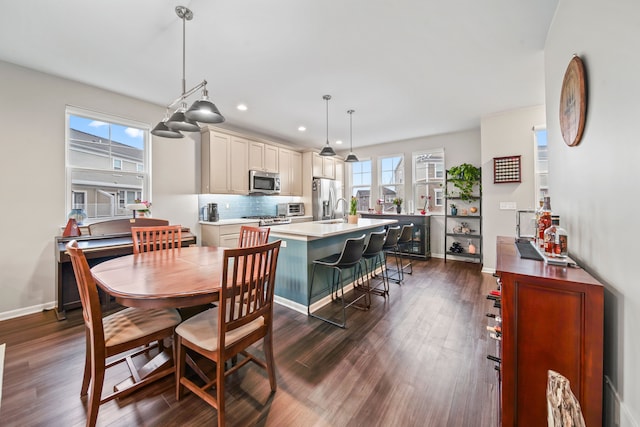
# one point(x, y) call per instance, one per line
point(552, 318)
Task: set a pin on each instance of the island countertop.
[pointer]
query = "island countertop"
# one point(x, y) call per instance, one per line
point(321, 229)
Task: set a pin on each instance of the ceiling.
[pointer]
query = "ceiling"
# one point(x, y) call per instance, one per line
point(409, 68)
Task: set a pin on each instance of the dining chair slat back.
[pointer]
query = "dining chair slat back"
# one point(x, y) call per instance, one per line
point(146, 239)
point(253, 236)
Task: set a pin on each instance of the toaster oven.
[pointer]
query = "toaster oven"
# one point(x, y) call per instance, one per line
point(290, 209)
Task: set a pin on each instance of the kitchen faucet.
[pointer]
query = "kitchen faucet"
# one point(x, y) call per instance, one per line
point(344, 214)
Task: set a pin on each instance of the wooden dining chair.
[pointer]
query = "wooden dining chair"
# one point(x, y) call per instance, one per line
point(244, 316)
point(146, 239)
point(253, 236)
point(121, 332)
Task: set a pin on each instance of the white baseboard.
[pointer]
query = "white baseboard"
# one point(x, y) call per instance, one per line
point(615, 412)
point(2, 347)
point(27, 310)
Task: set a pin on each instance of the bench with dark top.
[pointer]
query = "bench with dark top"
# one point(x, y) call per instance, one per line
point(107, 240)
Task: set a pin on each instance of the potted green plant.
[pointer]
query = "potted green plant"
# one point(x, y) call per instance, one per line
point(398, 202)
point(464, 177)
point(454, 209)
point(353, 211)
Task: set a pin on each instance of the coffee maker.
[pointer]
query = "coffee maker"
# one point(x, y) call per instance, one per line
point(212, 212)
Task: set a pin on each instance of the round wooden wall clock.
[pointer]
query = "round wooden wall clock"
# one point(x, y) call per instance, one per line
point(573, 102)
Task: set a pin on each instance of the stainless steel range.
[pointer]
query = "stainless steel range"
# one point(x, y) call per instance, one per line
point(269, 220)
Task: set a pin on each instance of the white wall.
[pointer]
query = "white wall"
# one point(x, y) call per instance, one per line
point(459, 147)
point(593, 186)
point(507, 134)
point(32, 186)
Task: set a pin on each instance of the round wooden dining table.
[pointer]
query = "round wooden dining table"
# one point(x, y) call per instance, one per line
point(181, 277)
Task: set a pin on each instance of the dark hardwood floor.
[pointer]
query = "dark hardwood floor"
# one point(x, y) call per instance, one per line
point(415, 359)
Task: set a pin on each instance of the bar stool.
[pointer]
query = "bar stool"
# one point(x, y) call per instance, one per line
point(349, 258)
point(372, 258)
point(405, 242)
point(390, 247)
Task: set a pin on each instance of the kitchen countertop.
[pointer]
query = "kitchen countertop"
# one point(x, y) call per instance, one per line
point(231, 221)
point(320, 229)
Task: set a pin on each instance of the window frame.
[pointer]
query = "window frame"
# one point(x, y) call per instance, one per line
point(387, 205)
point(354, 188)
point(144, 176)
point(540, 189)
point(433, 184)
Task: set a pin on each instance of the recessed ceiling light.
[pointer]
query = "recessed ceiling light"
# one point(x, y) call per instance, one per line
point(242, 107)
point(338, 142)
point(302, 128)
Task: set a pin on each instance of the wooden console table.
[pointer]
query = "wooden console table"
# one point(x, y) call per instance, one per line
point(552, 318)
point(114, 240)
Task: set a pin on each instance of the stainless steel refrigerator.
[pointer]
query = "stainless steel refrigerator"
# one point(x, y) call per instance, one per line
point(325, 195)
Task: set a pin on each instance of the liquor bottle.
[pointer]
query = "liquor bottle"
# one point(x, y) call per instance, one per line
point(560, 246)
point(544, 221)
point(550, 236)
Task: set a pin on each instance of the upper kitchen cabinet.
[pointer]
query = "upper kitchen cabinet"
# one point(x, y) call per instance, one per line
point(323, 166)
point(263, 157)
point(224, 163)
point(290, 163)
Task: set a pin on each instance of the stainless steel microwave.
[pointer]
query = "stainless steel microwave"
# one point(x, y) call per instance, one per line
point(264, 182)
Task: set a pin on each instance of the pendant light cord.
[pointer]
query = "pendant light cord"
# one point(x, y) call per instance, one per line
point(327, 97)
point(184, 55)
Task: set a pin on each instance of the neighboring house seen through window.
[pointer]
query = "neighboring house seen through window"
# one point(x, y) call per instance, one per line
point(107, 163)
point(428, 180)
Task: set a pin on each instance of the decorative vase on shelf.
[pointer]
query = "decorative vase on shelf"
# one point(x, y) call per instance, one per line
point(399, 208)
point(454, 211)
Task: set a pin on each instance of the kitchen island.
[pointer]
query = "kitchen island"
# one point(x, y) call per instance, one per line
point(304, 242)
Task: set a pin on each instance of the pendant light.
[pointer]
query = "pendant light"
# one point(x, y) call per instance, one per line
point(327, 150)
point(351, 157)
point(203, 110)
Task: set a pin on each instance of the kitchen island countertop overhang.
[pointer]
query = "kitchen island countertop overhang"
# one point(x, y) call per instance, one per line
point(321, 229)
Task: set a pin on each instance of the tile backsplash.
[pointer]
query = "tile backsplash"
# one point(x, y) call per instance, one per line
point(236, 206)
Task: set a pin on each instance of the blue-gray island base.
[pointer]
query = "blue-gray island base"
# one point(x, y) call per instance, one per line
point(304, 242)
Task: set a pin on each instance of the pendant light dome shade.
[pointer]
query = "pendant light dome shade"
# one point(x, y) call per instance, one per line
point(203, 110)
point(178, 121)
point(162, 130)
point(327, 150)
point(351, 157)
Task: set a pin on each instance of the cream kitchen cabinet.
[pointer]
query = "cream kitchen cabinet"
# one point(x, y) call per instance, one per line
point(290, 163)
point(263, 157)
point(224, 163)
point(323, 166)
point(226, 235)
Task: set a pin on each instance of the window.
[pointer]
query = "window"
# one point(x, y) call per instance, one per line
point(428, 180)
point(391, 179)
point(541, 163)
point(78, 200)
point(97, 147)
point(361, 183)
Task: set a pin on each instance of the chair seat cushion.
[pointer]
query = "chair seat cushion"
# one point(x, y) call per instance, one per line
point(202, 330)
point(132, 323)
